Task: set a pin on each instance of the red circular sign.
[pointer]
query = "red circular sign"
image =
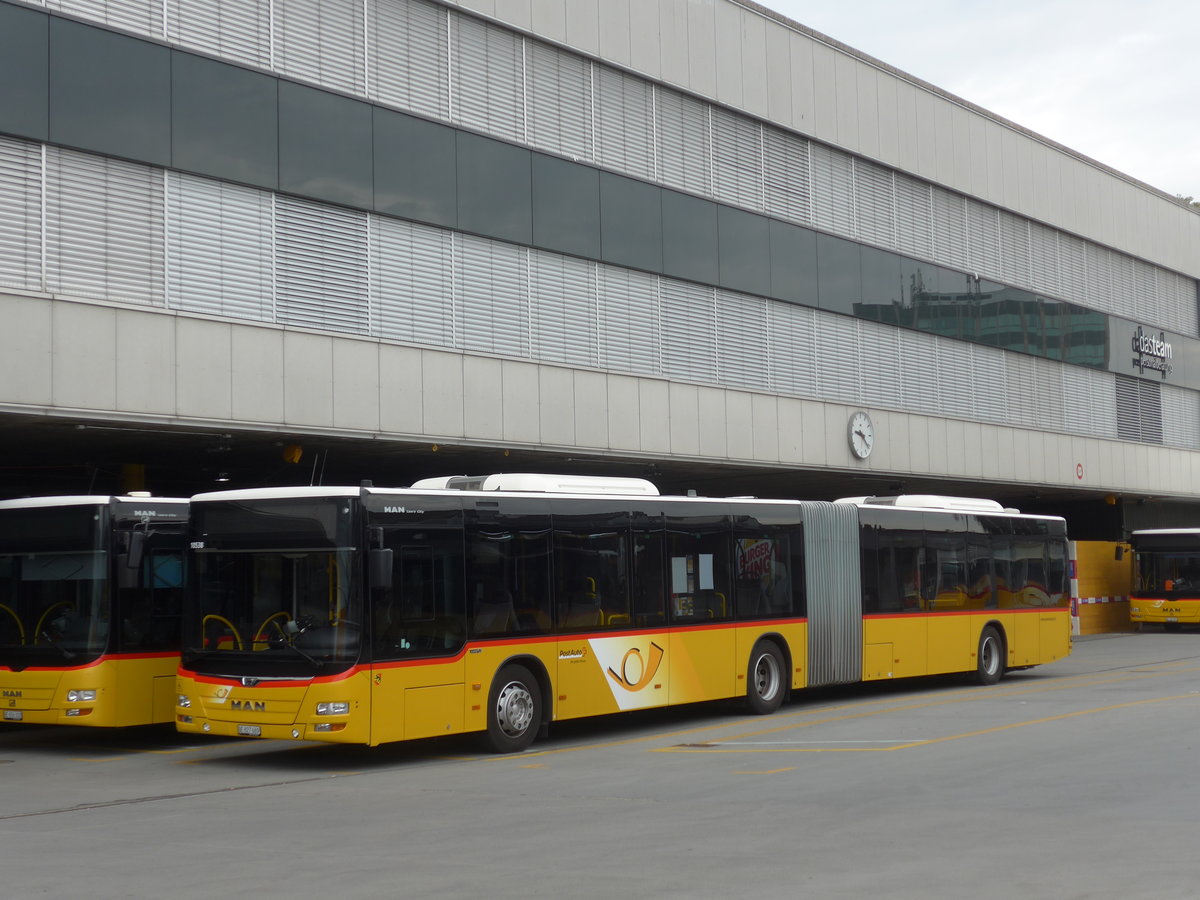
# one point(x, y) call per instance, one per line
point(1079, 471)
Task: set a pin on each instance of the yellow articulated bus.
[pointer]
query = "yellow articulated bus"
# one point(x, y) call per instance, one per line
point(90, 595)
point(498, 604)
point(1166, 589)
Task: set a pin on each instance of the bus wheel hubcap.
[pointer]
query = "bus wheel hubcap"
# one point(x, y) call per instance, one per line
point(514, 709)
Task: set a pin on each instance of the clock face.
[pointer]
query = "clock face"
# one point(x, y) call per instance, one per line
point(861, 434)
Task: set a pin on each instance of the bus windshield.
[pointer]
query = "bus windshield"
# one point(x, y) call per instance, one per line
point(274, 589)
point(1168, 571)
point(54, 599)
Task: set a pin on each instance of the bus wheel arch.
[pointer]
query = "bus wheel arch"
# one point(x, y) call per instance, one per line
point(991, 658)
point(518, 705)
point(767, 680)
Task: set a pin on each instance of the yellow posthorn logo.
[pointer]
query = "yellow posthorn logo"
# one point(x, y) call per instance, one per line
point(642, 670)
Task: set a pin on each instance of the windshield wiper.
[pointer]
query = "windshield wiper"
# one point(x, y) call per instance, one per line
point(312, 659)
point(67, 654)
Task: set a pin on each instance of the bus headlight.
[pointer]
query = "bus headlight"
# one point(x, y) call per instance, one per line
point(184, 701)
point(335, 708)
point(81, 696)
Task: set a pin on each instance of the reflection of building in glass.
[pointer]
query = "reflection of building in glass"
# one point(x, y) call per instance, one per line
point(966, 307)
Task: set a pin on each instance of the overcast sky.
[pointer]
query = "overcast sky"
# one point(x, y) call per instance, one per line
point(1115, 80)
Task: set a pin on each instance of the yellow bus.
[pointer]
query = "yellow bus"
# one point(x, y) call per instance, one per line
point(91, 589)
point(499, 604)
point(1166, 589)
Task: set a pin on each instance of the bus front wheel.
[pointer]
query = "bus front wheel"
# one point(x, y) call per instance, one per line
point(514, 710)
point(764, 679)
point(990, 661)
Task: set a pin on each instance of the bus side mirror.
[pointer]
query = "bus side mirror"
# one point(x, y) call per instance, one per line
point(137, 549)
point(1120, 554)
point(380, 565)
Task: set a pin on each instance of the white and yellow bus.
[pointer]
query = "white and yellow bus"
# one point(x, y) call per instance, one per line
point(90, 594)
point(502, 603)
point(1166, 582)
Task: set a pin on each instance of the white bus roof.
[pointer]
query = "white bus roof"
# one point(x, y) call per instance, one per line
point(518, 482)
point(1179, 531)
point(84, 500)
point(277, 493)
point(932, 501)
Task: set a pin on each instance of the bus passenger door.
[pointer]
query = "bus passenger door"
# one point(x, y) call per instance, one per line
point(417, 635)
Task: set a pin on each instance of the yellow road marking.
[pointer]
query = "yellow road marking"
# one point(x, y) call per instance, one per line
point(718, 747)
point(769, 771)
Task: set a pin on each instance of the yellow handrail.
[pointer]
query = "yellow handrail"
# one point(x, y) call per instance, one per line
point(237, 637)
point(268, 620)
point(37, 632)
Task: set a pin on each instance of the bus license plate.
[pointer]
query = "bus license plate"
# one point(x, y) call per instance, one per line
point(250, 730)
point(13, 715)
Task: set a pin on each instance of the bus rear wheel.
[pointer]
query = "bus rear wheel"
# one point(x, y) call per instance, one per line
point(764, 679)
point(514, 710)
point(990, 661)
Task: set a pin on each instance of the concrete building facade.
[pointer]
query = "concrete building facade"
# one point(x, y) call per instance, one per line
point(592, 232)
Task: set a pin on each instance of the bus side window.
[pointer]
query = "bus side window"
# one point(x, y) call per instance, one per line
point(649, 591)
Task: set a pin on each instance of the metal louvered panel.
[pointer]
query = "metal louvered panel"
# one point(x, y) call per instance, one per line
point(239, 30)
point(20, 214)
point(488, 82)
point(1024, 392)
point(493, 297)
point(1124, 292)
point(684, 142)
point(737, 152)
point(322, 41)
point(1181, 408)
point(914, 216)
point(564, 325)
point(833, 585)
point(1179, 301)
point(875, 204)
point(983, 238)
point(624, 122)
point(953, 363)
point(1129, 425)
point(1081, 413)
point(409, 56)
point(219, 253)
point(1072, 269)
point(559, 94)
point(1015, 253)
point(412, 282)
point(792, 346)
point(629, 321)
point(1145, 289)
point(833, 190)
point(879, 352)
point(950, 228)
point(988, 384)
point(688, 331)
point(1139, 410)
point(1043, 258)
point(787, 176)
point(104, 228)
point(321, 265)
point(838, 374)
point(918, 379)
point(742, 358)
point(1099, 278)
point(141, 16)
